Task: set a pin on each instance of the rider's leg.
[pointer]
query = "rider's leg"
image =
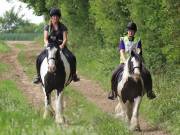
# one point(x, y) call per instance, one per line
point(146, 76)
point(114, 82)
point(39, 60)
point(72, 58)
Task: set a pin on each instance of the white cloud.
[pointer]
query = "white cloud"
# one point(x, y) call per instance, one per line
point(5, 6)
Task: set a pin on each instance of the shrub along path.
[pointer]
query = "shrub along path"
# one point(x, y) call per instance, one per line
point(90, 89)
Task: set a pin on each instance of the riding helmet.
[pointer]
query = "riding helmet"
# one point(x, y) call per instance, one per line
point(55, 11)
point(132, 26)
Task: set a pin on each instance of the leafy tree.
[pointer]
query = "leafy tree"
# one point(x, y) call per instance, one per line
point(42, 7)
point(11, 20)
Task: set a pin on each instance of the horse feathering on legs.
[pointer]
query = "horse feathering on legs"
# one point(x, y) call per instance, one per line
point(55, 72)
point(130, 91)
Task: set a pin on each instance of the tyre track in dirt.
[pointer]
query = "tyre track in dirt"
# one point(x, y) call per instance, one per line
point(32, 93)
point(90, 89)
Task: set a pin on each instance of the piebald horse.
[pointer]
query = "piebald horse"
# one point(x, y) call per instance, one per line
point(130, 90)
point(55, 72)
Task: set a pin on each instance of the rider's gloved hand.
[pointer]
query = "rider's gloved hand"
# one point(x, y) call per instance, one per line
point(61, 46)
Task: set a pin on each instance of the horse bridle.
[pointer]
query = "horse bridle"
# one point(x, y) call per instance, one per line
point(52, 59)
point(136, 67)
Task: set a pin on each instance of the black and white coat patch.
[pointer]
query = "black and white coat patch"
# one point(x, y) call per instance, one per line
point(130, 91)
point(55, 72)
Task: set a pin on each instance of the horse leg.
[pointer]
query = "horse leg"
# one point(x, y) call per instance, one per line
point(48, 108)
point(121, 110)
point(129, 110)
point(59, 107)
point(134, 123)
point(118, 108)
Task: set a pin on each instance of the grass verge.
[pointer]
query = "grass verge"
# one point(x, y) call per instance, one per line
point(3, 47)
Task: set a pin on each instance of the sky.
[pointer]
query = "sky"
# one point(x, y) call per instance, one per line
point(5, 6)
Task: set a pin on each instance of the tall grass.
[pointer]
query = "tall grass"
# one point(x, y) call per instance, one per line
point(3, 67)
point(28, 62)
point(3, 47)
point(19, 36)
point(97, 63)
point(165, 109)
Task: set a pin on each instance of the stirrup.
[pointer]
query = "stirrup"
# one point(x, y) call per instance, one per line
point(151, 95)
point(76, 79)
point(37, 80)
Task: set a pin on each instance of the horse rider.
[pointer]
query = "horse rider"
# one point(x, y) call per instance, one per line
point(128, 43)
point(55, 32)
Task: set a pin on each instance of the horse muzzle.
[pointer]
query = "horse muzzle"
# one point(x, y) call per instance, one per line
point(52, 69)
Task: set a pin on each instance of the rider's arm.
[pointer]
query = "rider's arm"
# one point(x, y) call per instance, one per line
point(64, 40)
point(122, 56)
point(139, 47)
point(45, 38)
point(122, 51)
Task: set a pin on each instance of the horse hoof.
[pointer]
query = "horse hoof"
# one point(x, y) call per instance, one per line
point(135, 128)
point(119, 115)
point(45, 115)
point(60, 120)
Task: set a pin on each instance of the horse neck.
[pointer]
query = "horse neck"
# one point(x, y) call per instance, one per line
point(126, 73)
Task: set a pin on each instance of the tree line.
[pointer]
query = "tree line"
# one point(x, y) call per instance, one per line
point(100, 23)
point(12, 22)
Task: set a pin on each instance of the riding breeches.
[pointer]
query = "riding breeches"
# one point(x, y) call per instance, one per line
point(71, 59)
point(39, 60)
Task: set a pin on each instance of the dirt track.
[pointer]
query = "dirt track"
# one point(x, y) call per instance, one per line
point(90, 89)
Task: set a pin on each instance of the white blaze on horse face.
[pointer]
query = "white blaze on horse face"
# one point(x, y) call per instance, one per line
point(51, 59)
point(136, 64)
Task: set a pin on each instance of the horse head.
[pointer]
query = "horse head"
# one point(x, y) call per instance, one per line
point(135, 62)
point(52, 57)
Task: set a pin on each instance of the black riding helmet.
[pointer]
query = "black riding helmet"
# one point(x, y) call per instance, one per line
point(132, 26)
point(55, 11)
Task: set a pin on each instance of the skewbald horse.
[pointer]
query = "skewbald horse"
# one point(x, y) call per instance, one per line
point(56, 73)
point(130, 91)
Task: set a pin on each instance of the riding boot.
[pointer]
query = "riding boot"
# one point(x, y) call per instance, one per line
point(114, 82)
point(39, 60)
point(37, 79)
point(151, 95)
point(76, 78)
point(112, 95)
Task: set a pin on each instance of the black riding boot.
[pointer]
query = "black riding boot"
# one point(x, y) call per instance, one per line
point(37, 79)
point(112, 95)
point(39, 60)
point(146, 76)
point(76, 78)
point(114, 82)
point(151, 95)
